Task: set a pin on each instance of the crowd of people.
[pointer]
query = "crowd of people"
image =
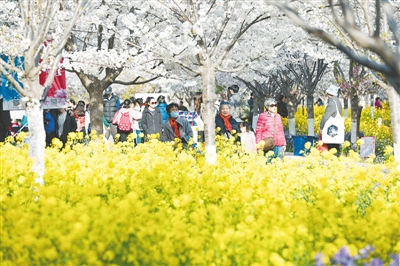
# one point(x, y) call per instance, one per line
point(172, 121)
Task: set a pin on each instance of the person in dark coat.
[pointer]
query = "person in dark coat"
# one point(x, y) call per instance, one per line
point(5, 122)
point(49, 126)
point(65, 124)
point(151, 118)
point(225, 121)
point(176, 127)
point(111, 104)
point(182, 107)
point(282, 106)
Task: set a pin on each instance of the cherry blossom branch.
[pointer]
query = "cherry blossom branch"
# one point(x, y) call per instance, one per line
point(3, 69)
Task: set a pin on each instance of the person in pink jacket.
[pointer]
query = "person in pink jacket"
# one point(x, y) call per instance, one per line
point(265, 127)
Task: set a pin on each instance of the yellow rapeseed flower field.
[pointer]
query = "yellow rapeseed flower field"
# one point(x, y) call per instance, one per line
point(158, 204)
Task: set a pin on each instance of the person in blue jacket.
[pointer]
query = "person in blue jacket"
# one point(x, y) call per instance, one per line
point(162, 106)
point(49, 126)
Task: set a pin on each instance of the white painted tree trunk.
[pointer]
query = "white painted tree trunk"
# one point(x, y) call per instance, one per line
point(394, 103)
point(310, 127)
point(292, 126)
point(353, 133)
point(255, 119)
point(346, 113)
point(37, 137)
point(208, 77)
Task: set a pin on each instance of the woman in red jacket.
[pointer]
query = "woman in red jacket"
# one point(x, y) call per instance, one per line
point(265, 127)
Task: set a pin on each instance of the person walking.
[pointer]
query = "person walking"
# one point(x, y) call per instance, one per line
point(111, 104)
point(333, 106)
point(269, 124)
point(65, 124)
point(125, 118)
point(151, 118)
point(176, 127)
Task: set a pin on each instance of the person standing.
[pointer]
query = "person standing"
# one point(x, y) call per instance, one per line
point(5, 121)
point(269, 124)
point(151, 118)
point(378, 104)
point(225, 121)
point(49, 126)
point(182, 107)
point(251, 105)
point(162, 105)
point(111, 104)
point(332, 108)
point(80, 117)
point(282, 106)
point(65, 124)
point(247, 138)
point(176, 127)
point(234, 102)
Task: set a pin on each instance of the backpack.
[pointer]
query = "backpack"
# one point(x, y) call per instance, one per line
point(124, 123)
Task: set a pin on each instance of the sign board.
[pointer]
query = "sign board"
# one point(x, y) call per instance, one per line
point(368, 147)
point(56, 96)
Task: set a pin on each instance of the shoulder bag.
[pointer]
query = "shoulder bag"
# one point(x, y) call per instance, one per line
point(269, 143)
point(333, 131)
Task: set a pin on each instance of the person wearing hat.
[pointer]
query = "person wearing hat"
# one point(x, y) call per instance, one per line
point(111, 104)
point(225, 121)
point(269, 124)
point(331, 111)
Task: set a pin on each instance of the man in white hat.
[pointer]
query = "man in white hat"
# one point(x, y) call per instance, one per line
point(331, 111)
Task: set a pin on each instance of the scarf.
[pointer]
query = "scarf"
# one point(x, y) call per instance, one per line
point(227, 124)
point(175, 128)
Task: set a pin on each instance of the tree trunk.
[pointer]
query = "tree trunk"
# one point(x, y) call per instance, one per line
point(394, 103)
point(292, 122)
point(310, 114)
point(37, 135)
point(96, 108)
point(37, 138)
point(355, 118)
point(346, 107)
point(208, 109)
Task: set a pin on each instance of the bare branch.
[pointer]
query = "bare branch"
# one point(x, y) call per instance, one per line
point(377, 32)
point(375, 45)
point(232, 70)
point(392, 23)
point(219, 35)
point(135, 81)
point(242, 30)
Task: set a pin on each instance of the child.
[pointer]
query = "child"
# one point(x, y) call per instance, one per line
point(247, 137)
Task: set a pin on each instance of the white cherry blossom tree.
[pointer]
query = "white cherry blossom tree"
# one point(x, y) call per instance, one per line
point(203, 37)
point(378, 34)
point(37, 31)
